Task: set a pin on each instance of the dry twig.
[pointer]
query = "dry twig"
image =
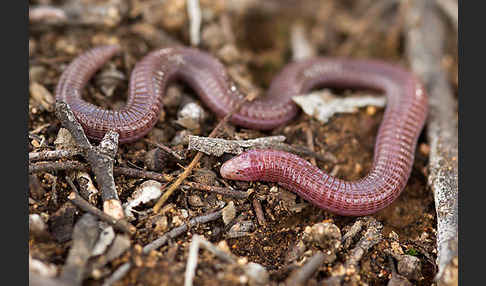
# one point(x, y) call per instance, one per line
point(425, 48)
point(101, 158)
point(52, 155)
point(257, 206)
point(301, 47)
point(219, 190)
point(78, 166)
point(166, 149)
point(301, 275)
point(84, 238)
point(194, 12)
point(57, 166)
point(120, 224)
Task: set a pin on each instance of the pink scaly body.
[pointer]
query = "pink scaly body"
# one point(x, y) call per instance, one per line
point(397, 137)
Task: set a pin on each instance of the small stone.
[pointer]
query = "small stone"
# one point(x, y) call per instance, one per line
point(184, 213)
point(410, 267)
point(177, 221)
point(371, 110)
point(42, 96)
point(257, 274)
point(241, 228)
point(37, 226)
point(161, 224)
point(195, 201)
point(64, 140)
point(191, 116)
point(229, 213)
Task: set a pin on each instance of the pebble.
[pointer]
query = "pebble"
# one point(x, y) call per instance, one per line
point(229, 213)
point(191, 115)
point(410, 267)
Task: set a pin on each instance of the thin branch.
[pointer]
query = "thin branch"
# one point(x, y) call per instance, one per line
point(166, 149)
point(197, 242)
point(219, 190)
point(194, 12)
point(257, 274)
point(257, 206)
point(78, 166)
point(119, 224)
point(118, 274)
point(142, 174)
point(52, 155)
point(301, 275)
point(181, 229)
point(57, 166)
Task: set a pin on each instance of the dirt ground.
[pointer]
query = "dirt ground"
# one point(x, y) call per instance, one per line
point(252, 39)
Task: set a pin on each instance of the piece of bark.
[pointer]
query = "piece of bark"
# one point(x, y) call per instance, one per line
point(218, 146)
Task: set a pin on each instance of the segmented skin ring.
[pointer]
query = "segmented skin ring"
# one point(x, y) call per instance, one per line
point(396, 140)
